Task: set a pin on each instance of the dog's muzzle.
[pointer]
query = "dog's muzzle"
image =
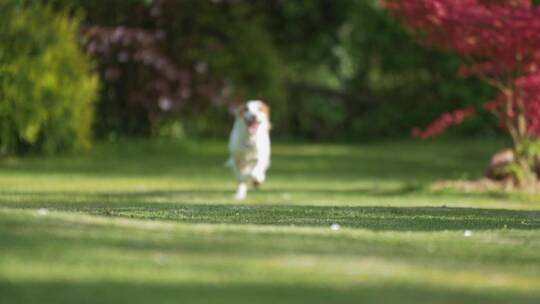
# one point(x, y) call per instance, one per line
point(251, 122)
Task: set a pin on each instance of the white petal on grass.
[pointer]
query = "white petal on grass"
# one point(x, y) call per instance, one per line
point(335, 227)
point(467, 233)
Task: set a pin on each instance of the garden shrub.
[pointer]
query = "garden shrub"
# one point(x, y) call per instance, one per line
point(47, 84)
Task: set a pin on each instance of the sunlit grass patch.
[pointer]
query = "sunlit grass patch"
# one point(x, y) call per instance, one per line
point(154, 222)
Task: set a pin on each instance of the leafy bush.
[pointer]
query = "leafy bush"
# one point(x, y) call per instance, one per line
point(47, 87)
point(169, 60)
point(410, 85)
point(331, 70)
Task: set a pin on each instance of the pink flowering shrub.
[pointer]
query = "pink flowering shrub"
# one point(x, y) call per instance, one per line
point(499, 42)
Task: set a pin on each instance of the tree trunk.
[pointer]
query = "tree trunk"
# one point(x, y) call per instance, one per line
point(516, 123)
point(526, 176)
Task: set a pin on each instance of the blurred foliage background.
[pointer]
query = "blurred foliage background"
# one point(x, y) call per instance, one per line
point(331, 70)
point(47, 86)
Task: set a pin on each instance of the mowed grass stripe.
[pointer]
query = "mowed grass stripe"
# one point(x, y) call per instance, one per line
point(488, 259)
point(151, 222)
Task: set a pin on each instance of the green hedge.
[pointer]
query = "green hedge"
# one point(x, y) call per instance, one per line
point(47, 84)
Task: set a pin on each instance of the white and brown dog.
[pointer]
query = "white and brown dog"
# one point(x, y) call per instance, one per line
point(249, 145)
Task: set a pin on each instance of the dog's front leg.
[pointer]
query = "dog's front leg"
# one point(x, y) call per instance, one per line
point(259, 172)
point(241, 191)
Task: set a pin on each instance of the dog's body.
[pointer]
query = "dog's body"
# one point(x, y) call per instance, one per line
point(249, 145)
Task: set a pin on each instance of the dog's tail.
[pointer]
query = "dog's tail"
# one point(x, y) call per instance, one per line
point(229, 163)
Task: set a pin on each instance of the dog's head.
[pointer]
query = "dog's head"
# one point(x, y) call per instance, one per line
point(255, 114)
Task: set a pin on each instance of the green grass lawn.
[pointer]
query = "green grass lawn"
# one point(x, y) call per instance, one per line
point(142, 222)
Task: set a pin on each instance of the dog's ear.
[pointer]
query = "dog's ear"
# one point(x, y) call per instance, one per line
point(265, 108)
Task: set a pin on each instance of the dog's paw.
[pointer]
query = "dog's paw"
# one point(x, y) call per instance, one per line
point(239, 197)
point(258, 178)
point(257, 184)
point(241, 191)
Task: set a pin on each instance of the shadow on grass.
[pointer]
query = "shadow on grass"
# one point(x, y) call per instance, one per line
point(175, 196)
point(174, 207)
point(114, 292)
point(373, 218)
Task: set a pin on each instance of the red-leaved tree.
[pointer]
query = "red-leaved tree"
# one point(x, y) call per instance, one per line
point(499, 42)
